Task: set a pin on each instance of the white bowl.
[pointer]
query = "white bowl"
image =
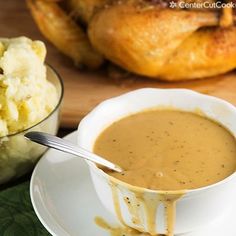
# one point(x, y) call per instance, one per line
point(197, 207)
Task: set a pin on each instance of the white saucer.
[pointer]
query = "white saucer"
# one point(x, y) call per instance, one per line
point(65, 201)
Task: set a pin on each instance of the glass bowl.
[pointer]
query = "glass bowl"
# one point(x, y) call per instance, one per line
point(19, 155)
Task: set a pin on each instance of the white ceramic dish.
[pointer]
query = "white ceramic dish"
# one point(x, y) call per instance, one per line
point(65, 201)
point(197, 207)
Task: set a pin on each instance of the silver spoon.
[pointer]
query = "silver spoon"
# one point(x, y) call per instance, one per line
point(66, 146)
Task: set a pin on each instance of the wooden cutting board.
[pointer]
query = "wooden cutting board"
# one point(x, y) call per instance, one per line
point(84, 90)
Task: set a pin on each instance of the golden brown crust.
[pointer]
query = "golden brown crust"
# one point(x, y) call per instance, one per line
point(226, 18)
point(64, 33)
point(84, 9)
point(143, 36)
point(207, 52)
point(159, 43)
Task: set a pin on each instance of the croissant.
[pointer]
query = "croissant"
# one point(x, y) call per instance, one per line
point(146, 37)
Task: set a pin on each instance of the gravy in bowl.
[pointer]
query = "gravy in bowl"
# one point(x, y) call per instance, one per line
point(168, 150)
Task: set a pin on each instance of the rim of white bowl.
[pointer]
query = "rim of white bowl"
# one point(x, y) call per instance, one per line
point(137, 188)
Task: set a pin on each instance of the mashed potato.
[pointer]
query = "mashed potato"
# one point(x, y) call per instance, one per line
point(26, 97)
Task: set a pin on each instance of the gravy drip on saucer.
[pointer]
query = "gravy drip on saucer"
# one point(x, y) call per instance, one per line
point(119, 230)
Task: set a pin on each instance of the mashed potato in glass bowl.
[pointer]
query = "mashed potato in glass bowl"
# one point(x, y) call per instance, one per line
point(30, 98)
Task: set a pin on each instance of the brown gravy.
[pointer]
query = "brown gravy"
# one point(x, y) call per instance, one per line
point(119, 230)
point(168, 150)
point(150, 204)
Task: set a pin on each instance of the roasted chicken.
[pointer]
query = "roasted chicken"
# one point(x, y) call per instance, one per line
point(146, 37)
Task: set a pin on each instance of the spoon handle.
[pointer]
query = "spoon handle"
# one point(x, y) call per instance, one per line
point(66, 146)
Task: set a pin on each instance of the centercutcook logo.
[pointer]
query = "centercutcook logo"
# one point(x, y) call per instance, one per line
point(201, 5)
